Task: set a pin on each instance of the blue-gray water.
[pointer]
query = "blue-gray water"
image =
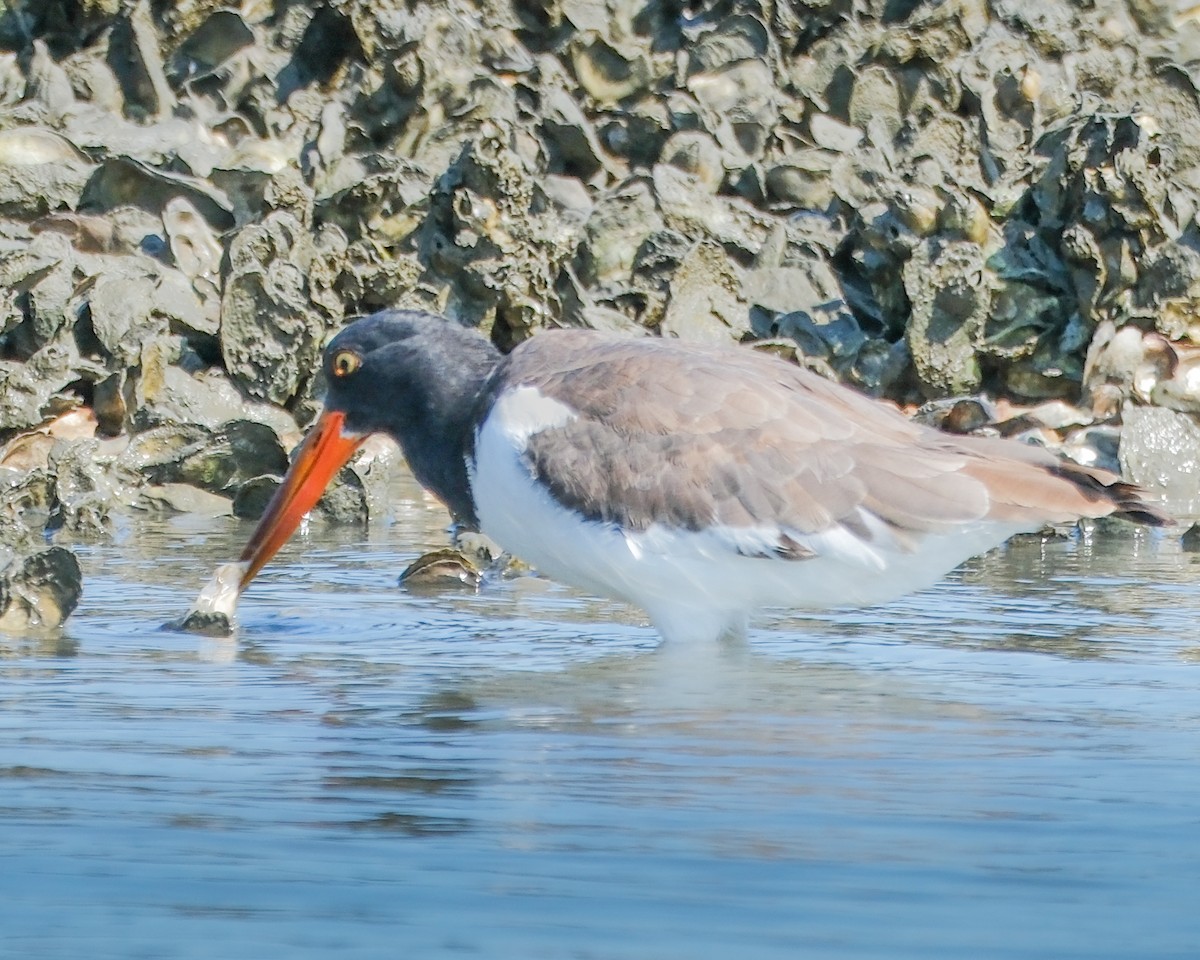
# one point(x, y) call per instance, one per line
point(1006, 766)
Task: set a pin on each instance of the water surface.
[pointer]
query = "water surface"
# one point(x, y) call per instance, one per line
point(1005, 766)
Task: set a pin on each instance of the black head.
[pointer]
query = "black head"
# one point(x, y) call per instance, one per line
point(416, 377)
point(403, 371)
point(409, 374)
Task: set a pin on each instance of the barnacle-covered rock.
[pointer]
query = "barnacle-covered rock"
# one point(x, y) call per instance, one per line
point(620, 223)
point(950, 291)
point(705, 298)
point(168, 388)
point(271, 331)
point(1160, 449)
point(373, 195)
point(40, 171)
point(39, 590)
point(491, 237)
point(874, 103)
point(44, 275)
point(137, 301)
point(221, 460)
point(86, 489)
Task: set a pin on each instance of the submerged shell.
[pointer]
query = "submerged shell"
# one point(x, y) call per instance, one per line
point(440, 569)
point(215, 608)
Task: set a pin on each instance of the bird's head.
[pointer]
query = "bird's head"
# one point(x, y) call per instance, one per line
point(405, 373)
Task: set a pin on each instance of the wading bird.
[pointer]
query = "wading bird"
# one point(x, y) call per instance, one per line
point(698, 483)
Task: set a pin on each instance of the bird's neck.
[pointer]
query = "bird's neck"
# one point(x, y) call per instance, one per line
point(436, 447)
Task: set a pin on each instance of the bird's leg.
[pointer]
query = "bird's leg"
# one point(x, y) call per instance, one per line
point(690, 627)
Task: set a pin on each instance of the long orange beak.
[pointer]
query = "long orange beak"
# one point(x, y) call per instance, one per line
point(321, 454)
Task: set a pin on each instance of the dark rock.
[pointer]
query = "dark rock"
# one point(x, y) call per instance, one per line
point(346, 499)
point(252, 497)
point(39, 591)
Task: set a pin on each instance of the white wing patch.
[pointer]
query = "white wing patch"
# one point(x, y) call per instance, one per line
point(521, 412)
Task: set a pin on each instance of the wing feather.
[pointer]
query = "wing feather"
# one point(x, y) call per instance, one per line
point(690, 437)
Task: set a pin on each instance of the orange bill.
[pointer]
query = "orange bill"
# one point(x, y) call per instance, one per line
point(321, 454)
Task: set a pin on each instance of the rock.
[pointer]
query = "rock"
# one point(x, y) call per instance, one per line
point(951, 294)
point(346, 499)
point(250, 501)
point(802, 179)
point(137, 301)
point(621, 221)
point(960, 415)
point(1190, 541)
point(271, 333)
point(1160, 450)
point(705, 302)
point(134, 52)
point(197, 253)
point(221, 36)
point(827, 331)
point(1125, 363)
point(86, 489)
point(182, 498)
point(41, 171)
point(39, 591)
point(1095, 447)
point(495, 240)
point(165, 393)
point(30, 451)
point(26, 499)
point(238, 451)
point(608, 72)
point(125, 180)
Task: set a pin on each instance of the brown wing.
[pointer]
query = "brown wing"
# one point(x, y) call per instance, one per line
point(688, 436)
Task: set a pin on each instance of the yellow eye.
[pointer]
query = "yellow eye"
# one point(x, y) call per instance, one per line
point(345, 363)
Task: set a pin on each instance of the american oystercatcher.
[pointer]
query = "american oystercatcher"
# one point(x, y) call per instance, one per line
point(697, 483)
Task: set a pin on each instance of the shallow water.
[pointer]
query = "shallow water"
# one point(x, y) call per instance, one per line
point(1005, 766)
